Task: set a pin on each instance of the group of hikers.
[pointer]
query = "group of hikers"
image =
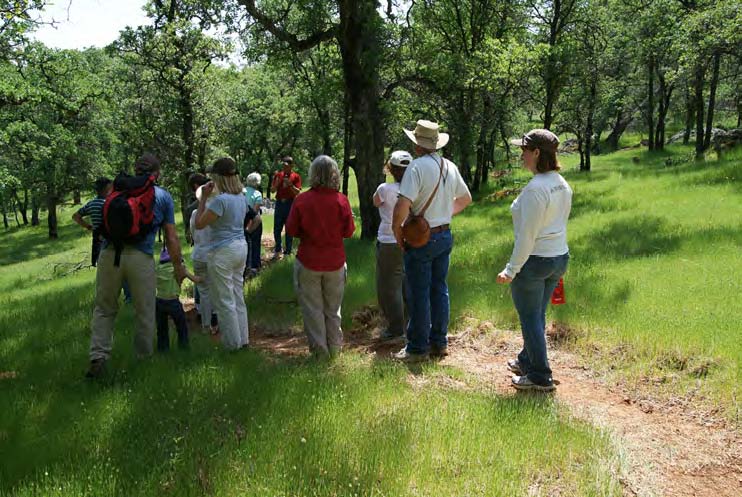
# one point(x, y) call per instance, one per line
point(413, 249)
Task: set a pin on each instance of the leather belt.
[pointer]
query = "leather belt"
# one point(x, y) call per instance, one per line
point(438, 229)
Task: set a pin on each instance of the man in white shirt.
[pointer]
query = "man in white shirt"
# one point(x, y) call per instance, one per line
point(389, 257)
point(429, 177)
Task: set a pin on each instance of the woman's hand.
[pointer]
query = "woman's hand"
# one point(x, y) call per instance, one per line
point(206, 190)
point(503, 278)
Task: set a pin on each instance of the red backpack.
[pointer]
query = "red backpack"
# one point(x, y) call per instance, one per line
point(128, 212)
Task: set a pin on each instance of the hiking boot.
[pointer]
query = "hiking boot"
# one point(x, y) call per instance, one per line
point(438, 351)
point(97, 368)
point(523, 383)
point(388, 336)
point(409, 358)
point(514, 367)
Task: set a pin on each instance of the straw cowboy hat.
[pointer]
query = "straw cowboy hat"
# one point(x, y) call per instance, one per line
point(426, 135)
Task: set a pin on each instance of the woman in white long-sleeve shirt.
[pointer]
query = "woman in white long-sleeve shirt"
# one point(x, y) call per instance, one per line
point(199, 255)
point(540, 255)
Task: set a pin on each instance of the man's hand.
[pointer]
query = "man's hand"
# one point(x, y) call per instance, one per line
point(401, 211)
point(180, 272)
point(503, 278)
point(399, 237)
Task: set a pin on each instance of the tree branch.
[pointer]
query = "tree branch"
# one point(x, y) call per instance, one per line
point(298, 45)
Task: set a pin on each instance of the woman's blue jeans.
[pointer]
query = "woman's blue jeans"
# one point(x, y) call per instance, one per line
point(426, 269)
point(531, 290)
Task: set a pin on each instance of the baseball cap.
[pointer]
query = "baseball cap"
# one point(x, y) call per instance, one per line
point(287, 159)
point(400, 158)
point(538, 138)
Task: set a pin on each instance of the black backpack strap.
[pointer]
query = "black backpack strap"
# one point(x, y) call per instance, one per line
point(117, 257)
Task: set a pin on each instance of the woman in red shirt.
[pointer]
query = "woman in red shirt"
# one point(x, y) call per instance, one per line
point(321, 217)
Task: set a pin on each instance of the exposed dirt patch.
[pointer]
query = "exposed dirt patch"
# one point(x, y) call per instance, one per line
point(668, 450)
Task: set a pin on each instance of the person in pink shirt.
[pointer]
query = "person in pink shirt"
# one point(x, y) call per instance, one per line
point(321, 218)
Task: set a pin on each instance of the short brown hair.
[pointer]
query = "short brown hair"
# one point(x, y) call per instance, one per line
point(547, 160)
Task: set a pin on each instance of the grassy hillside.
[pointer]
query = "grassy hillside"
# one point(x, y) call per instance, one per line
point(651, 292)
point(655, 257)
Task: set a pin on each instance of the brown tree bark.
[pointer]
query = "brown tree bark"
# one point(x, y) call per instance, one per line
point(34, 211)
point(712, 100)
point(360, 48)
point(690, 113)
point(700, 75)
point(51, 206)
point(650, 102)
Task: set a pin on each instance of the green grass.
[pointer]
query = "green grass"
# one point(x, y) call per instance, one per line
point(206, 422)
point(653, 280)
point(652, 292)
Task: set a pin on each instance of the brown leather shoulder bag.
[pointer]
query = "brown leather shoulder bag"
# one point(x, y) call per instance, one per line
point(415, 229)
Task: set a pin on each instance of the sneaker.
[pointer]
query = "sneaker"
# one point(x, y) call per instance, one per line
point(387, 335)
point(438, 351)
point(409, 358)
point(523, 383)
point(277, 256)
point(97, 368)
point(514, 367)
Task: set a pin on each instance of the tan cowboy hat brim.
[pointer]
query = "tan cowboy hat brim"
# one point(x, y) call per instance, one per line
point(427, 142)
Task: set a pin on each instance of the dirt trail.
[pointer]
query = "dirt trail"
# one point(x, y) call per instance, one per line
point(666, 451)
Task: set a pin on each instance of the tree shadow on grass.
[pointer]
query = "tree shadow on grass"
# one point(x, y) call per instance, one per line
point(203, 421)
point(32, 242)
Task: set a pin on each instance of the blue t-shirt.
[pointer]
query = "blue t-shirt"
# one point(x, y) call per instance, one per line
point(229, 225)
point(164, 213)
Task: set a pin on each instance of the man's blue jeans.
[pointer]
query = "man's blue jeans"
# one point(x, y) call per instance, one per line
point(426, 269)
point(280, 216)
point(531, 290)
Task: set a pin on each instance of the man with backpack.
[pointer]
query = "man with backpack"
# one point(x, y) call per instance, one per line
point(132, 215)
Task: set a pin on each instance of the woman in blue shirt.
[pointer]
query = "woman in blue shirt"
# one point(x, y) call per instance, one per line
point(223, 207)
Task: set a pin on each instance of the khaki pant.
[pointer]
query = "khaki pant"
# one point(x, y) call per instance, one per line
point(138, 269)
point(320, 295)
point(390, 286)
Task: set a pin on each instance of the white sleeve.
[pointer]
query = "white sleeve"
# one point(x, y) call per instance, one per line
point(411, 183)
point(532, 205)
point(461, 189)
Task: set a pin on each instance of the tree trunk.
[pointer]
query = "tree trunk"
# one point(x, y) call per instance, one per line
point(698, 83)
point(361, 51)
point(712, 101)
point(5, 214)
point(482, 142)
point(22, 205)
point(51, 206)
point(347, 142)
point(76, 197)
point(650, 102)
point(35, 211)
point(581, 150)
point(589, 125)
point(690, 112)
point(738, 100)
point(186, 107)
point(621, 124)
point(664, 106)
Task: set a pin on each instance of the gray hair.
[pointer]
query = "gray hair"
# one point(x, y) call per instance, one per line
point(253, 180)
point(324, 172)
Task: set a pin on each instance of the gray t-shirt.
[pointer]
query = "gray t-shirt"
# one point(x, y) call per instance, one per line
point(231, 209)
point(419, 182)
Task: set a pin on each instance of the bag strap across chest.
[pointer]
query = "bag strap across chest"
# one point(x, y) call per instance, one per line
point(432, 195)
